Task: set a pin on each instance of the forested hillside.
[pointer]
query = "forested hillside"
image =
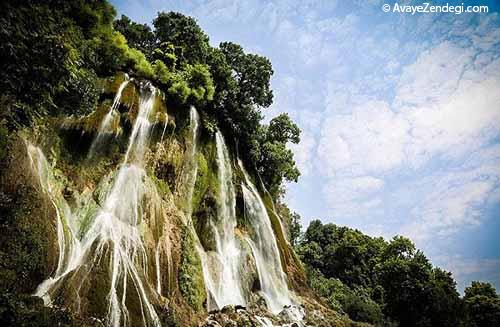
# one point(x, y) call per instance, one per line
point(140, 186)
point(389, 283)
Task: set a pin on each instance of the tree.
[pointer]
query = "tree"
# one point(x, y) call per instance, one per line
point(404, 274)
point(384, 281)
point(275, 161)
point(252, 74)
point(445, 307)
point(139, 36)
point(282, 129)
point(183, 32)
point(482, 305)
point(291, 221)
point(480, 289)
point(295, 229)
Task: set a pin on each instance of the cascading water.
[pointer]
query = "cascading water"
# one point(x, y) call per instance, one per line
point(105, 125)
point(68, 245)
point(189, 181)
point(192, 163)
point(114, 230)
point(221, 267)
point(225, 279)
point(265, 249)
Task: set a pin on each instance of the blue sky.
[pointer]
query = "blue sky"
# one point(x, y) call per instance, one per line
point(400, 115)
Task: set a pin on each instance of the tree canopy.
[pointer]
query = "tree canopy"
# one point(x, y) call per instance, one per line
point(52, 65)
point(389, 283)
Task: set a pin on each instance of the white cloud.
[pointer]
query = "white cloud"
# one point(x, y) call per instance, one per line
point(370, 139)
point(446, 106)
point(465, 270)
point(353, 197)
point(303, 153)
point(433, 77)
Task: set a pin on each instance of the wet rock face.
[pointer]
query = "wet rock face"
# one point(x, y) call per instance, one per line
point(231, 316)
point(239, 316)
point(161, 189)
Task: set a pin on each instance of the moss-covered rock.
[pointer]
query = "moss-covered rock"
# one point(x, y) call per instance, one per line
point(175, 216)
point(28, 247)
point(191, 281)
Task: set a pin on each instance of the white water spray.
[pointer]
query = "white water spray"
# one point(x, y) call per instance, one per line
point(265, 249)
point(225, 278)
point(104, 127)
point(115, 230)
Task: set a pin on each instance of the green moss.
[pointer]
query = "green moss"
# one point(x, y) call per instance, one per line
point(23, 310)
point(207, 179)
point(161, 185)
point(4, 133)
point(112, 84)
point(27, 233)
point(202, 180)
point(191, 281)
point(130, 96)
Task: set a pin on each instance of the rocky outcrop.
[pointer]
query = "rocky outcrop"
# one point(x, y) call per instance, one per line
point(53, 193)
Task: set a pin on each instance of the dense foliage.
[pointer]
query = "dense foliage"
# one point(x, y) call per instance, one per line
point(389, 283)
point(55, 55)
point(51, 64)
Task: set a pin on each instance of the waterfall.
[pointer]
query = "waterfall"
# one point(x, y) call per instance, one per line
point(190, 181)
point(106, 122)
point(111, 234)
point(115, 229)
point(68, 244)
point(265, 249)
point(227, 285)
point(220, 268)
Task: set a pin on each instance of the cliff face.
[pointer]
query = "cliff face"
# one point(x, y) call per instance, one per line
point(141, 214)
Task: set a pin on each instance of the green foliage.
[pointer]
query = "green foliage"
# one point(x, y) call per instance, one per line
point(480, 289)
point(140, 64)
point(184, 32)
point(482, 305)
point(282, 129)
point(29, 311)
point(276, 163)
point(179, 89)
point(356, 303)
point(292, 223)
point(162, 73)
point(383, 282)
point(252, 74)
point(201, 84)
point(166, 53)
point(273, 160)
point(53, 52)
point(139, 36)
point(190, 273)
point(360, 307)
point(343, 252)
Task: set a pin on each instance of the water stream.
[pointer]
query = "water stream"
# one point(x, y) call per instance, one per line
point(113, 233)
point(104, 127)
point(226, 278)
point(114, 229)
point(265, 249)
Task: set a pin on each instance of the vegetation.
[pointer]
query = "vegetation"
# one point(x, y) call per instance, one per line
point(389, 283)
point(190, 273)
point(53, 62)
point(56, 53)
